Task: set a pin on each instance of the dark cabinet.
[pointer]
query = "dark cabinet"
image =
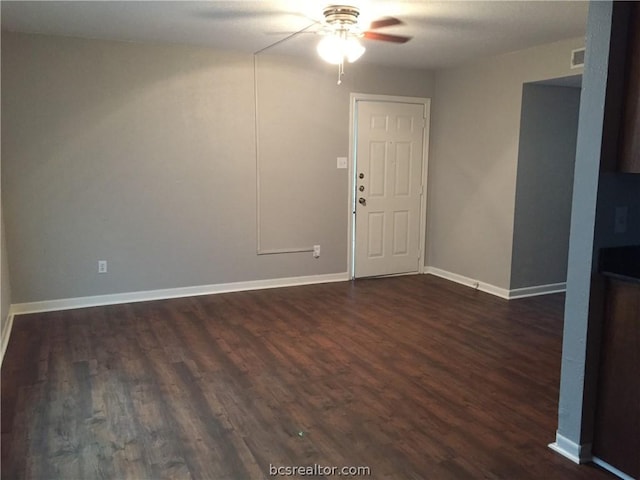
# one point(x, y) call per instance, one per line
point(617, 427)
point(629, 153)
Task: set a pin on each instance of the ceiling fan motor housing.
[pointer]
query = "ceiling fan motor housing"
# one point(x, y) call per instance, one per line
point(341, 15)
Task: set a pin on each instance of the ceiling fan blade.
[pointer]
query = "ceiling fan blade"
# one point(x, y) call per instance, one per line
point(290, 32)
point(385, 22)
point(386, 37)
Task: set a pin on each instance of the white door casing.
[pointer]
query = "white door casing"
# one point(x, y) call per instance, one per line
point(389, 153)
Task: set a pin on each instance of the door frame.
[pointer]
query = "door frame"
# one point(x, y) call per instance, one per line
point(353, 120)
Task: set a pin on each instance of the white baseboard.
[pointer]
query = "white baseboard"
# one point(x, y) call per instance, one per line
point(469, 282)
point(144, 296)
point(497, 291)
point(537, 290)
point(6, 333)
point(611, 469)
point(573, 451)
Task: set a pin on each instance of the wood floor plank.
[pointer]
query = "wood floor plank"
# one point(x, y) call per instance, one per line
point(413, 377)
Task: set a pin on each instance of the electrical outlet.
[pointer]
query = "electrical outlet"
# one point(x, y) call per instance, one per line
point(102, 266)
point(620, 222)
point(316, 251)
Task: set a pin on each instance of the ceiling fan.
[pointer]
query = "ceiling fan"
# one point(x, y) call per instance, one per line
point(345, 17)
point(341, 33)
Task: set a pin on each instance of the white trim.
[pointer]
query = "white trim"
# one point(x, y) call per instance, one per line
point(611, 469)
point(567, 448)
point(426, 138)
point(497, 291)
point(256, 131)
point(278, 251)
point(144, 296)
point(469, 282)
point(537, 290)
point(351, 198)
point(6, 334)
point(426, 103)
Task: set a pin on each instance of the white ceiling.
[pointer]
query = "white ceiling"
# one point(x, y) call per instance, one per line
point(444, 33)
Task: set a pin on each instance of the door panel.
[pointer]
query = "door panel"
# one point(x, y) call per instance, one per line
point(377, 169)
point(389, 150)
point(403, 169)
point(376, 235)
point(404, 123)
point(401, 233)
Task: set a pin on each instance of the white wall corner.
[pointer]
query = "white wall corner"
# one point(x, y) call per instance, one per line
point(573, 451)
point(494, 290)
point(468, 282)
point(6, 333)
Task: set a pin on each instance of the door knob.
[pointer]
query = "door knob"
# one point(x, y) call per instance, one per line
point(362, 201)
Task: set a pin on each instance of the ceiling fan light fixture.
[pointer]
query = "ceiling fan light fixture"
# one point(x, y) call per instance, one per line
point(330, 49)
point(335, 49)
point(354, 49)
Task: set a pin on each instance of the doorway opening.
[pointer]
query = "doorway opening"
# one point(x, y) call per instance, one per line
point(544, 184)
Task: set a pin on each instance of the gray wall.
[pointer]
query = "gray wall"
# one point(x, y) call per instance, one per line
point(5, 289)
point(544, 184)
point(304, 125)
point(144, 155)
point(473, 159)
point(596, 193)
point(574, 346)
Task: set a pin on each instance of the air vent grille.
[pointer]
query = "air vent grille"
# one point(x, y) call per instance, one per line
point(577, 58)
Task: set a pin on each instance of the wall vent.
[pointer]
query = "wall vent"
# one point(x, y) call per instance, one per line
point(577, 58)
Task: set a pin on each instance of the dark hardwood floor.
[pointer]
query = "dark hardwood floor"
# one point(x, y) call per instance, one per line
point(413, 377)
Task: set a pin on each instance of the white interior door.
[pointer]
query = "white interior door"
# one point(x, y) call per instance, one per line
point(389, 156)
